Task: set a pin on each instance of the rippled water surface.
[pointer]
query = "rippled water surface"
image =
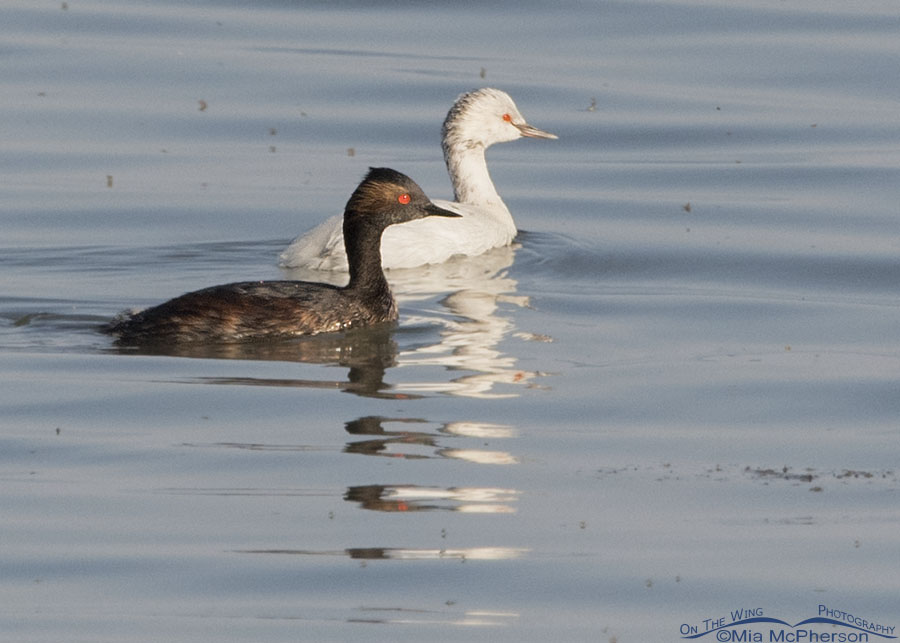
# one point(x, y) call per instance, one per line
point(676, 396)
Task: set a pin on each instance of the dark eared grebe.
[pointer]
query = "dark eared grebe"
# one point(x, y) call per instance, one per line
point(277, 309)
point(476, 121)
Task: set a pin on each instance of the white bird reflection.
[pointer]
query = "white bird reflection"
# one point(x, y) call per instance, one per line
point(479, 456)
point(480, 430)
point(411, 498)
point(480, 618)
point(397, 553)
point(411, 444)
point(469, 341)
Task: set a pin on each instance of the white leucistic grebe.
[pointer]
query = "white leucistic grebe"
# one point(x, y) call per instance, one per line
point(476, 121)
point(276, 309)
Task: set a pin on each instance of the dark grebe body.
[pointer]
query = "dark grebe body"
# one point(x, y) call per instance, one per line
point(276, 309)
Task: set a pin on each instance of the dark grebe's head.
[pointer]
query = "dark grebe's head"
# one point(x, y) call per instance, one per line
point(386, 197)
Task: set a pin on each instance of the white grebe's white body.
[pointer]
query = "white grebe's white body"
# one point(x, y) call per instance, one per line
point(477, 120)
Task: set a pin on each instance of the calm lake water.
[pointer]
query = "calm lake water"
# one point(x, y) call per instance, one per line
point(676, 397)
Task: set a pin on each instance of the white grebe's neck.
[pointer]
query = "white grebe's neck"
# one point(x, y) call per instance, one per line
point(477, 120)
point(469, 175)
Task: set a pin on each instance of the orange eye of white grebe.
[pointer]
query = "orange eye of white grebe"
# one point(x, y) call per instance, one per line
point(507, 118)
point(403, 198)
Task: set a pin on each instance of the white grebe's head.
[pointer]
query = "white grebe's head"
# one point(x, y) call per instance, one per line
point(483, 117)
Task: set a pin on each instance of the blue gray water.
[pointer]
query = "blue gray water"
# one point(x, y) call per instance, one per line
point(676, 396)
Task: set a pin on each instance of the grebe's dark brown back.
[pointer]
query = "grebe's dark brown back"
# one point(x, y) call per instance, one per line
point(272, 309)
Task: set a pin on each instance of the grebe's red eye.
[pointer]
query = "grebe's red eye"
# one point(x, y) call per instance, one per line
point(403, 198)
point(507, 118)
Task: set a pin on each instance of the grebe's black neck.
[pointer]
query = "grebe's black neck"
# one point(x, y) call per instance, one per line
point(384, 198)
point(362, 241)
